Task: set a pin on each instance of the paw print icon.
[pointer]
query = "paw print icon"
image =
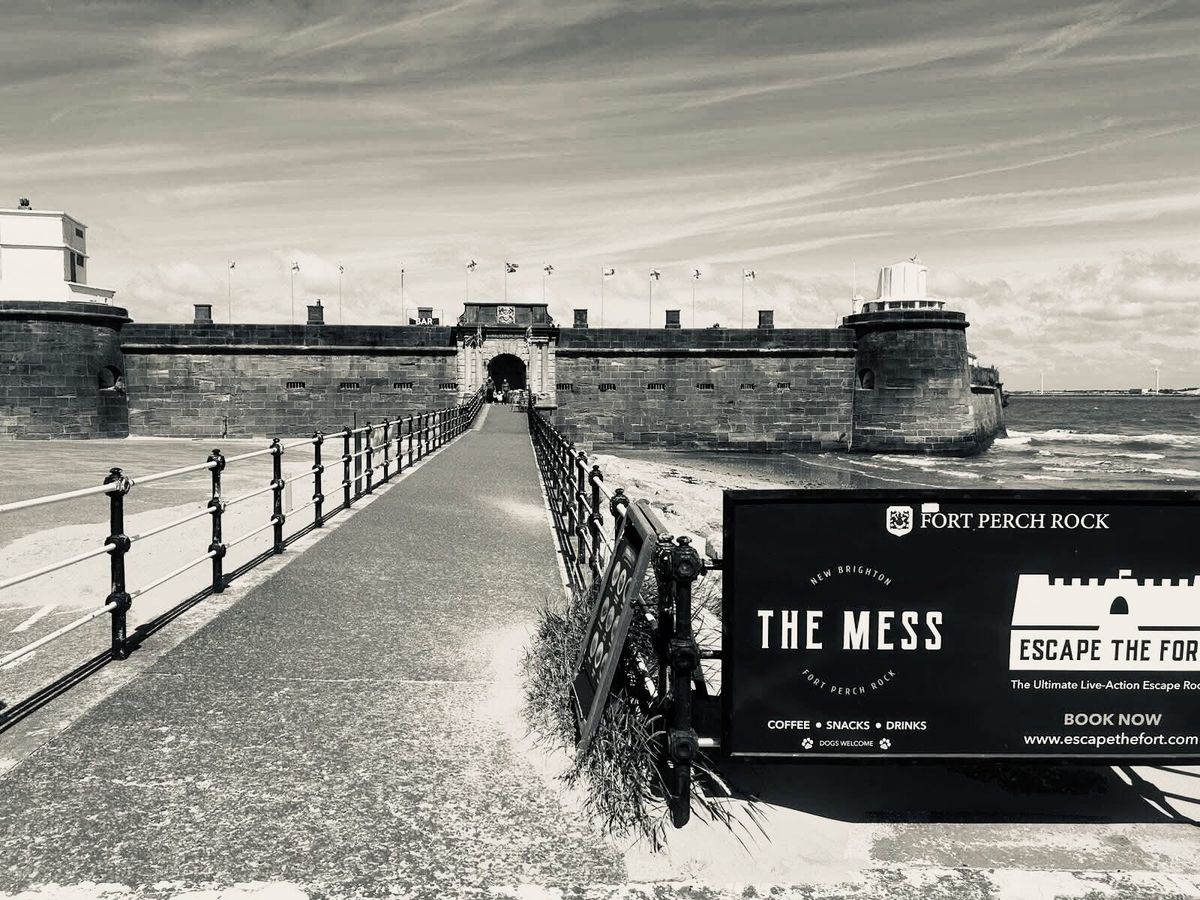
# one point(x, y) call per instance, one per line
point(884, 744)
point(807, 743)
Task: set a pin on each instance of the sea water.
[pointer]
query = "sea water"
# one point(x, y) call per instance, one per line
point(1063, 441)
point(1054, 441)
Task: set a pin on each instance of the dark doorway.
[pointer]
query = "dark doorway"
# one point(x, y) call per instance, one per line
point(507, 368)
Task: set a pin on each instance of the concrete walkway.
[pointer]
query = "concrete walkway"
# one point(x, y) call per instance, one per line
point(338, 730)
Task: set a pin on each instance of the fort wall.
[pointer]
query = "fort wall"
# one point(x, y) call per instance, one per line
point(769, 389)
point(894, 381)
point(209, 380)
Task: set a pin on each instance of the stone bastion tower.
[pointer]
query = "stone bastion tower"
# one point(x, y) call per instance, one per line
point(62, 374)
point(915, 388)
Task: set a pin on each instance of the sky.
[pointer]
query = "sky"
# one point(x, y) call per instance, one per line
point(1042, 158)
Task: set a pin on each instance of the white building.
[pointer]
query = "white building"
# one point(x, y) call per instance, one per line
point(43, 256)
point(902, 285)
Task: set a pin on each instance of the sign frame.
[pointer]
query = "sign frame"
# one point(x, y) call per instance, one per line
point(638, 538)
point(915, 497)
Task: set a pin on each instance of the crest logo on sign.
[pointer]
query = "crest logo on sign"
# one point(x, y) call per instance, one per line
point(899, 520)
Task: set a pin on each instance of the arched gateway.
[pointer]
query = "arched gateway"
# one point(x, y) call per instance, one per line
point(513, 342)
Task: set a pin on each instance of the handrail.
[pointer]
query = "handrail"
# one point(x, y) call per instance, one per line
point(668, 663)
point(586, 513)
point(427, 432)
point(54, 498)
point(54, 567)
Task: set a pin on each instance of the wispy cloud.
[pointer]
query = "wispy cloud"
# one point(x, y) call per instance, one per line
point(1006, 142)
point(1094, 22)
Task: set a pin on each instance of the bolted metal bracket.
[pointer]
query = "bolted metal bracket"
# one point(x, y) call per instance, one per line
point(683, 746)
point(684, 654)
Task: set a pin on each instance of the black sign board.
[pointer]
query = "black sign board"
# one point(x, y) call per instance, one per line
point(608, 625)
point(936, 624)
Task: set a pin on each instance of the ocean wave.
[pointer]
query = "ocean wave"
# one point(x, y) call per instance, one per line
point(1019, 442)
point(921, 462)
point(1168, 439)
point(1043, 478)
point(1175, 473)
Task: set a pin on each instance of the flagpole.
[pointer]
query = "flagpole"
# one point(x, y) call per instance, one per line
point(650, 308)
point(293, 293)
point(743, 324)
point(341, 272)
point(229, 273)
point(602, 296)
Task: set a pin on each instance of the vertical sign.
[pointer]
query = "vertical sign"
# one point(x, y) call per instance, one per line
point(608, 624)
point(936, 624)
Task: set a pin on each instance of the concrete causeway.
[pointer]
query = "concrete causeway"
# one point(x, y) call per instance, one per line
point(337, 729)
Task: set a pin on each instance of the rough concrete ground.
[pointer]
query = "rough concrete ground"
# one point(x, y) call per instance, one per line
point(331, 729)
point(349, 728)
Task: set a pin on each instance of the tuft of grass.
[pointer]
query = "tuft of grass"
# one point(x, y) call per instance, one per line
point(619, 775)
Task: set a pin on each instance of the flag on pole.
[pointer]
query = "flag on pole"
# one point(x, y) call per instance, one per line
point(295, 267)
point(471, 266)
point(608, 272)
point(696, 274)
point(548, 269)
point(748, 273)
point(510, 267)
point(232, 264)
point(655, 274)
point(341, 270)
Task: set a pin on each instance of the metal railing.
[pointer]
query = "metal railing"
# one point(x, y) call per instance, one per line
point(370, 456)
point(588, 518)
point(587, 514)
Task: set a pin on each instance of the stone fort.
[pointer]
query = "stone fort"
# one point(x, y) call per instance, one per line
point(894, 376)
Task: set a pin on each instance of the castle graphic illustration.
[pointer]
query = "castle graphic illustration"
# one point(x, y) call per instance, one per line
point(1106, 623)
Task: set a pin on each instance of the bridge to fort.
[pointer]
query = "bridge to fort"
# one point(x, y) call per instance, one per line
point(343, 726)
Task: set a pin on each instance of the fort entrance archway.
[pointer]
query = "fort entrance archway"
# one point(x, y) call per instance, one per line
point(507, 367)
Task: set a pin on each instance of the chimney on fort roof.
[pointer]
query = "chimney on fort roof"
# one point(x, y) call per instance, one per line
point(580, 319)
point(766, 318)
point(203, 314)
point(316, 314)
point(673, 319)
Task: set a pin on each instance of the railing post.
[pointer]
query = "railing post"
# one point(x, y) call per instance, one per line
point(217, 505)
point(277, 492)
point(347, 494)
point(411, 459)
point(318, 468)
point(358, 463)
point(399, 445)
point(387, 449)
point(566, 488)
point(370, 463)
point(581, 512)
point(120, 544)
point(614, 506)
point(678, 565)
point(594, 521)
